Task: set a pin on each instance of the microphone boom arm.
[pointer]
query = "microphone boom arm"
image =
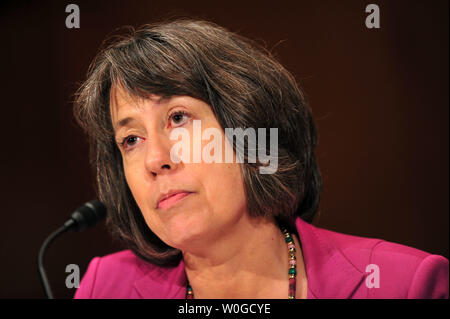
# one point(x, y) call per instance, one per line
point(47, 242)
point(84, 217)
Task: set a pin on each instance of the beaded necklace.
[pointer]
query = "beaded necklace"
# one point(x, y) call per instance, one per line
point(292, 272)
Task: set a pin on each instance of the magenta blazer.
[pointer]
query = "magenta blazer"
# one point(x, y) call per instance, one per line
point(337, 266)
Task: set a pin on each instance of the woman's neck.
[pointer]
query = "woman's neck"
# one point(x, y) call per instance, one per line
point(251, 261)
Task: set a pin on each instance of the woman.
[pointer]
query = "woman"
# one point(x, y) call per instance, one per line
point(201, 228)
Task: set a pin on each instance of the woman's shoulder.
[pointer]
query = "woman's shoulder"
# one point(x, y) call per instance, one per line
point(379, 250)
point(372, 247)
point(113, 276)
point(388, 269)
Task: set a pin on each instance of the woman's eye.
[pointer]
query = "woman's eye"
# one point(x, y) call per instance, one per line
point(130, 141)
point(178, 118)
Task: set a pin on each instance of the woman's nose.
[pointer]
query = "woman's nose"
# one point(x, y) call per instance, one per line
point(157, 158)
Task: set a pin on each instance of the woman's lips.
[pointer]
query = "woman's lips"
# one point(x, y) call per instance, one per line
point(172, 200)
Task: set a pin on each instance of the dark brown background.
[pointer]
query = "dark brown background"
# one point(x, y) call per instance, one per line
point(380, 98)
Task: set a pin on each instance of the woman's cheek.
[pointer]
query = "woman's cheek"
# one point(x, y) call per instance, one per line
point(134, 177)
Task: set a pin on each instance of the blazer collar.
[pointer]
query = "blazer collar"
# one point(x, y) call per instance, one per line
point(162, 282)
point(330, 274)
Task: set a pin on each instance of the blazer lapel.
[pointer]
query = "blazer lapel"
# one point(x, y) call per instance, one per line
point(330, 274)
point(162, 283)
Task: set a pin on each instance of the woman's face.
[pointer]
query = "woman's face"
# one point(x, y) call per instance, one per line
point(212, 198)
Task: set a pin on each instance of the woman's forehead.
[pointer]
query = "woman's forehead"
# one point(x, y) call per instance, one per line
point(122, 101)
point(120, 97)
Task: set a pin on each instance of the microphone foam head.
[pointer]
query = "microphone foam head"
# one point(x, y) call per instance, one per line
point(88, 214)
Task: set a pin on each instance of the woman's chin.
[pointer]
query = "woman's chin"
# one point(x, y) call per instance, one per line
point(185, 242)
point(184, 231)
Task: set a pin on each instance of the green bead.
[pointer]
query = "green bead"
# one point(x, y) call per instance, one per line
point(292, 271)
point(289, 239)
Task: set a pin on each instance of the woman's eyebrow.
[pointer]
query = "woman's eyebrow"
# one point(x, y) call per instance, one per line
point(123, 122)
point(127, 120)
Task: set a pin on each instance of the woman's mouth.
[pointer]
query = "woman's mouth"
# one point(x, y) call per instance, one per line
point(171, 200)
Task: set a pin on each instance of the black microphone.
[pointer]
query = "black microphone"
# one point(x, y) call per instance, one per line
point(85, 216)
